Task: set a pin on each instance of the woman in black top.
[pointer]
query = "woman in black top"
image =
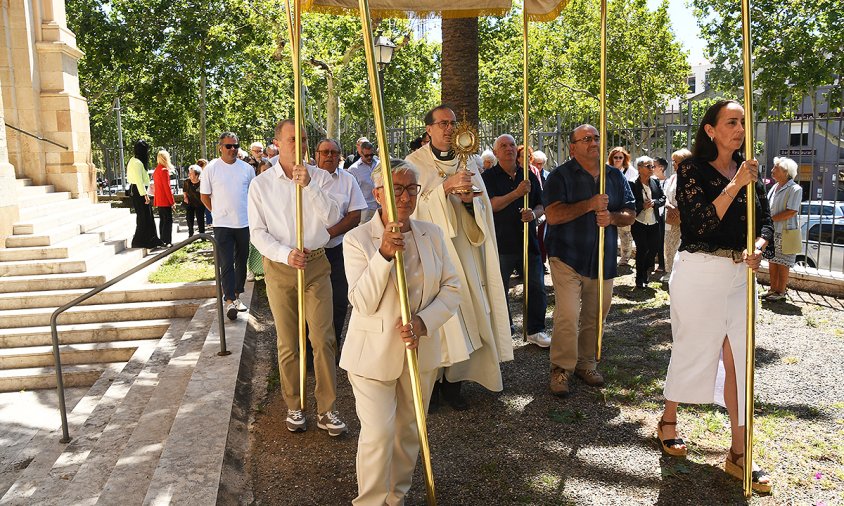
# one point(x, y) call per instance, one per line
point(645, 230)
point(194, 208)
point(709, 281)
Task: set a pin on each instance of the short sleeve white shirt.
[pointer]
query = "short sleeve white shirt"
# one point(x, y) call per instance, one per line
point(344, 188)
point(228, 185)
point(363, 174)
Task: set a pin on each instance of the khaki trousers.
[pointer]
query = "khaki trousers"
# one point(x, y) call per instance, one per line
point(574, 340)
point(282, 294)
point(388, 443)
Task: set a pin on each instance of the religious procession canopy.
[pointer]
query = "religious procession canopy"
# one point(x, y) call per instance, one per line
point(538, 10)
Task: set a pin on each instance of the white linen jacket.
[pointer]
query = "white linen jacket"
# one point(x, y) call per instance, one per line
point(373, 348)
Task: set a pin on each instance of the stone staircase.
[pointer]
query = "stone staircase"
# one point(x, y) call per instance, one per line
point(134, 350)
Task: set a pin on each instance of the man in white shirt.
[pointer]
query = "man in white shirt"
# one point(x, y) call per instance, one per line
point(223, 189)
point(345, 190)
point(362, 171)
point(272, 213)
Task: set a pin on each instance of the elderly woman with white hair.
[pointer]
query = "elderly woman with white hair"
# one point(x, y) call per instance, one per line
point(374, 350)
point(488, 159)
point(649, 198)
point(784, 198)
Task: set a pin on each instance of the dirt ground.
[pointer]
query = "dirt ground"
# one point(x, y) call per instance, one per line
point(525, 446)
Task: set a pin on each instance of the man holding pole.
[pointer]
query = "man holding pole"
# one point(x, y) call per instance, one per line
point(574, 210)
point(478, 336)
point(507, 187)
point(272, 197)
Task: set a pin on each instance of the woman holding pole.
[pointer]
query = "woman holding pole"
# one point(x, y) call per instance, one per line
point(376, 341)
point(709, 283)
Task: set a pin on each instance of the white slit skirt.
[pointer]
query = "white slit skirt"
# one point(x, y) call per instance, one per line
point(708, 302)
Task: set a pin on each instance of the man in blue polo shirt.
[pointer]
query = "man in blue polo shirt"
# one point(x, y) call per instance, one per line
point(506, 187)
point(574, 210)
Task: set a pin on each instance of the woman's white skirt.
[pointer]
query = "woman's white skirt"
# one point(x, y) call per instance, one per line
point(708, 302)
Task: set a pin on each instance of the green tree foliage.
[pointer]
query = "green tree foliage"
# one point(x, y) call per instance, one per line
point(159, 55)
point(646, 64)
point(797, 48)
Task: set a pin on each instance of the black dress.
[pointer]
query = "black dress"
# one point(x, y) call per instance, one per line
point(145, 235)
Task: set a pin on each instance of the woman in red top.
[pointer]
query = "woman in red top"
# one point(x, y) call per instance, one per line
point(164, 196)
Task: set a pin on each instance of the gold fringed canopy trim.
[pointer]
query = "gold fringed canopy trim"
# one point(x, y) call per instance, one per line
point(538, 10)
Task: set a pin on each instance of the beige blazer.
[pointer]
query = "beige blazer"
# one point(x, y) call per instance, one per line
point(373, 348)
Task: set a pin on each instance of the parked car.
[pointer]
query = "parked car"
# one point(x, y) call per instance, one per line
point(821, 210)
point(823, 247)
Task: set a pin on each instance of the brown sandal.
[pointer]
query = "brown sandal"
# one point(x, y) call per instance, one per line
point(736, 471)
point(669, 444)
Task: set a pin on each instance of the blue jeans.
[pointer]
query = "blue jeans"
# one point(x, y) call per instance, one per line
point(537, 300)
point(234, 254)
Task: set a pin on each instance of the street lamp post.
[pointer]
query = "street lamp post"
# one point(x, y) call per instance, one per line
point(384, 48)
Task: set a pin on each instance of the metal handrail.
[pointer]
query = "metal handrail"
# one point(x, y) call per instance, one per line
point(172, 249)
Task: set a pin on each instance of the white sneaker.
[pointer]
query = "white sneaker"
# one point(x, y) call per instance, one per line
point(241, 307)
point(231, 311)
point(250, 276)
point(540, 339)
point(330, 421)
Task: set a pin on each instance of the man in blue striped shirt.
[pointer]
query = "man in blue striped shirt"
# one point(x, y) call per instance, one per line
point(574, 210)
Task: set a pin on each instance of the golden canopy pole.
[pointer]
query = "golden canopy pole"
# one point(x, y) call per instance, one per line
point(751, 245)
point(602, 177)
point(390, 201)
point(294, 25)
point(525, 162)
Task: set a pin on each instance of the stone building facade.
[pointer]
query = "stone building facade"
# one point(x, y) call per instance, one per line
point(44, 123)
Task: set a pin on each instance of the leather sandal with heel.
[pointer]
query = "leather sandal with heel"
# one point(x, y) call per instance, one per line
point(669, 444)
point(735, 470)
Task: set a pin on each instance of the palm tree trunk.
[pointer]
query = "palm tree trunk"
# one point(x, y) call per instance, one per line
point(460, 67)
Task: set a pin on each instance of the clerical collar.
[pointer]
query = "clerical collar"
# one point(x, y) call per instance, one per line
point(442, 155)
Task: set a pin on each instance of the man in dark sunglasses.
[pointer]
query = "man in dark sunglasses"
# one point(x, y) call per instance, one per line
point(223, 189)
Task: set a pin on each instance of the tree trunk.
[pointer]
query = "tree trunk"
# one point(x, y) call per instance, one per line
point(203, 148)
point(460, 67)
point(332, 109)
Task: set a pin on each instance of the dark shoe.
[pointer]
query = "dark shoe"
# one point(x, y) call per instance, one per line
point(434, 404)
point(735, 470)
point(668, 445)
point(559, 384)
point(451, 394)
point(590, 376)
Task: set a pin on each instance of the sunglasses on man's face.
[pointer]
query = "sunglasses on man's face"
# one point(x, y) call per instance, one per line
point(231, 146)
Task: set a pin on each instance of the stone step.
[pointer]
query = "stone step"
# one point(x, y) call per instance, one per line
point(51, 209)
point(34, 191)
point(119, 468)
point(108, 269)
point(41, 378)
point(45, 223)
point(84, 333)
point(65, 249)
point(85, 262)
point(86, 421)
point(24, 181)
point(114, 295)
point(100, 313)
point(63, 232)
point(42, 199)
point(122, 227)
point(72, 354)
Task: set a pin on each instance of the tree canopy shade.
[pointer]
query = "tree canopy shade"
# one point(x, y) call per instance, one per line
point(646, 64)
point(797, 48)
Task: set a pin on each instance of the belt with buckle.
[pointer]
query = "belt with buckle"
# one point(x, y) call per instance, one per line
point(314, 254)
point(735, 256)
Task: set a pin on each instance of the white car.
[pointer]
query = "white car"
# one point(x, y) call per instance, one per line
point(823, 245)
point(821, 210)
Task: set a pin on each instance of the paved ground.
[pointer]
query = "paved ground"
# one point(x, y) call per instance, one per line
point(524, 446)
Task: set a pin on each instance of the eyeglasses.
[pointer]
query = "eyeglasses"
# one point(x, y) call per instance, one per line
point(231, 146)
point(647, 165)
point(328, 152)
point(618, 158)
point(445, 124)
point(365, 155)
point(412, 189)
point(588, 139)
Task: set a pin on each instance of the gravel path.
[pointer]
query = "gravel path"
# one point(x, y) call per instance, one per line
point(525, 446)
